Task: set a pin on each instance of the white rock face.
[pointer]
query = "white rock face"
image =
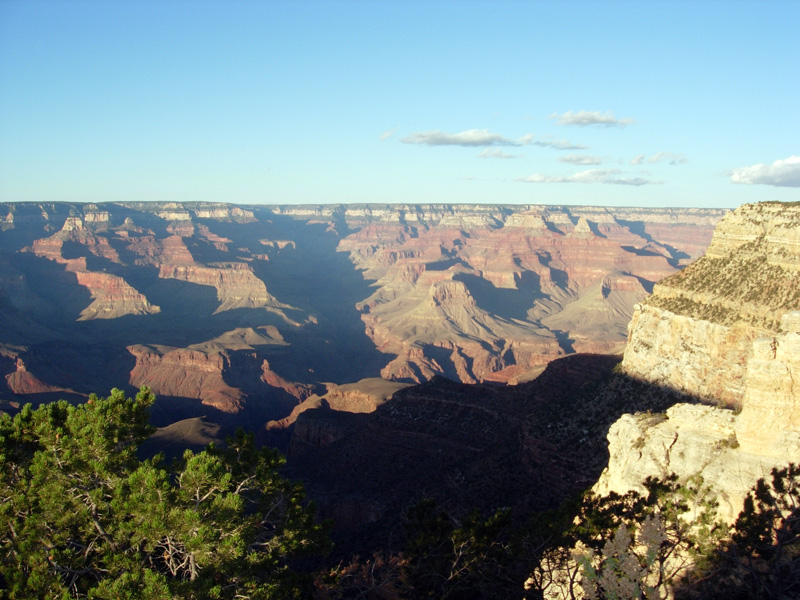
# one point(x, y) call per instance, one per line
point(695, 356)
point(775, 221)
point(729, 451)
point(734, 364)
point(693, 440)
point(770, 421)
point(72, 223)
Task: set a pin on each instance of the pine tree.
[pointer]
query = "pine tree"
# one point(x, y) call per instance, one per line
point(81, 515)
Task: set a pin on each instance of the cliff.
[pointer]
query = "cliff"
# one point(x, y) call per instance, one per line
point(726, 330)
point(111, 296)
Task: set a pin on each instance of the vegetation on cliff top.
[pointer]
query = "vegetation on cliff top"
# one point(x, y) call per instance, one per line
point(747, 286)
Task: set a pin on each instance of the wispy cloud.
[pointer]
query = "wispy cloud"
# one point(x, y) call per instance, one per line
point(781, 173)
point(582, 159)
point(471, 137)
point(496, 154)
point(387, 134)
point(668, 157)
point(608, 176)
point(550, 142)
point(590, 117)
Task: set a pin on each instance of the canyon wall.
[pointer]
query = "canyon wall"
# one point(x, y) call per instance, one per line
point(124, 294)
point(725, 330)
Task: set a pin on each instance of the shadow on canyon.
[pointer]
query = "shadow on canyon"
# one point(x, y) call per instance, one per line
point(506, 303)
point(479, 447)
point(316, 288)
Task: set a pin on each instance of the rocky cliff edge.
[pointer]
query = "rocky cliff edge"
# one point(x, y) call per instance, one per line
point(725, 330)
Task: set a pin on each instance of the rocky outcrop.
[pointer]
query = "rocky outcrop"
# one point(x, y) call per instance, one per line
point(186, 373)
point(111, 296)
point(364, 396)
point(725, 330)
point(770, 421)
point(222, 372)
point(696, 356)
point(236, 284)
point(23, 382)
point(298, 390)
point(729, 451)
point(696, 331)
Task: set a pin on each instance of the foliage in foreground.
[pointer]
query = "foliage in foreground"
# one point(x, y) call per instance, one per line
point(761, 559)
point(661, 544)
point(81, 516)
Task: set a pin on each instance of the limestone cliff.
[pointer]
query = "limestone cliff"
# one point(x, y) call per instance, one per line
point(725, 330)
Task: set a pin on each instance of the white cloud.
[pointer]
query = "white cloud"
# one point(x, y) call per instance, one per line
point(660, 157)
point(590, 117)
point(496, 154)
point(582, 159)
point(609, 176)
point(550, 142)
point(781, 173)
point(668, 157)
point(471, 137)
point(387, 134)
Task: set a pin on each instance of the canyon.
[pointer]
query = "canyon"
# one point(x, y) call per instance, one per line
point(705, 394)
point(465, 354)
point(239, 314)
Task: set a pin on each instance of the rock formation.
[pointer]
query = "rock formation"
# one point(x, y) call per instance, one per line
point(725, 330)
point(111, 296)
point(399, 292)
point(187, 373)
point(363, 396)
point(494, 295)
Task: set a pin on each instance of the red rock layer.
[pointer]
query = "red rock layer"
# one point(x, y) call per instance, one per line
point(186, 373)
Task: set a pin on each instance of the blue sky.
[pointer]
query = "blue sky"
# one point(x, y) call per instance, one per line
point(604, 103)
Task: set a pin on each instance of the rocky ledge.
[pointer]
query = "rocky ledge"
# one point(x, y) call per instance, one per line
point(726, 330)
point(696, 332)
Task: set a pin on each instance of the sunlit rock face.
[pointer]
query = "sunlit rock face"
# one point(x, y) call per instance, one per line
point(491, 295)
point(111, 296)
point(770, 421)
point(696, 331)
point(725, 330)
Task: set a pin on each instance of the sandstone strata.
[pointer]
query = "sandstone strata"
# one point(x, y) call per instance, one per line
point(696, 331)
point(403, 292)
point(111, 296)
point(747, 357)
point(236, 285)
point(494, 295)
point(186, 373)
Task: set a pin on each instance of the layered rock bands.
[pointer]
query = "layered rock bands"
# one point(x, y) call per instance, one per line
point(726, 331)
